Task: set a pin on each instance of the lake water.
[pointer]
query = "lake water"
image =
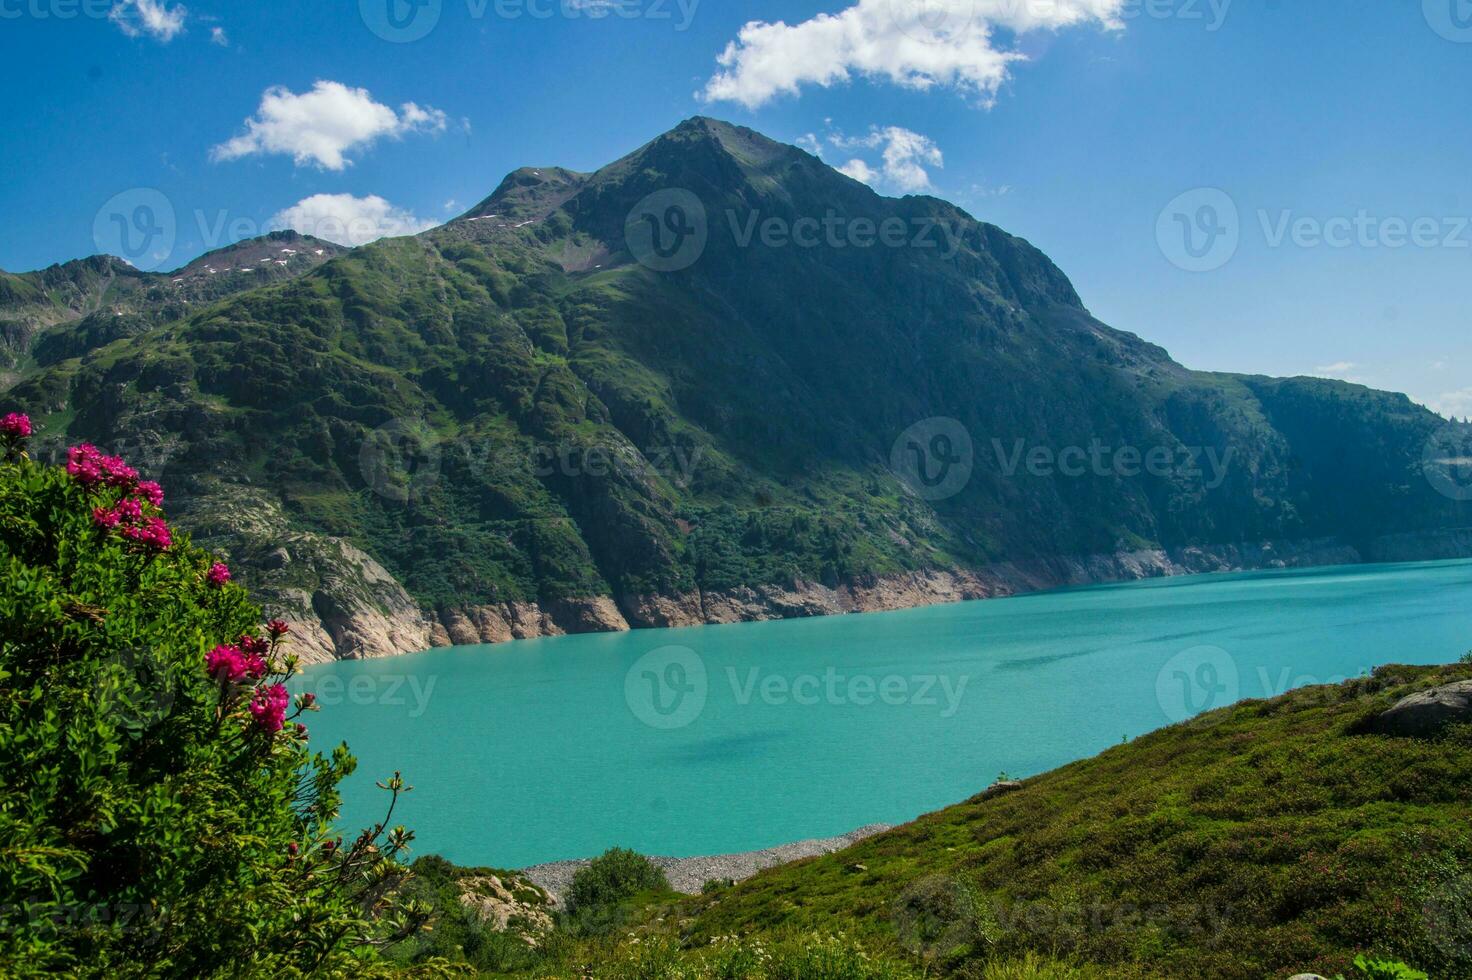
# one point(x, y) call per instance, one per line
point(726, 738)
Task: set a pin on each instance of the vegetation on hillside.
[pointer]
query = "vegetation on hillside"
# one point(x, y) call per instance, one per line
point(511, 407)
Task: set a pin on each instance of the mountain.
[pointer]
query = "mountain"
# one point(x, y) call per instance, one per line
point(715, 380)
point(103, 286)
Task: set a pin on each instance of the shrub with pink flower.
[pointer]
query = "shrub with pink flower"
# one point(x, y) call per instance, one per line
point(96, 471)
point(182, 743)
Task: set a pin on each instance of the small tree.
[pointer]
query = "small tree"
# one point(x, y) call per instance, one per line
point(161, 813)
point(616, 875)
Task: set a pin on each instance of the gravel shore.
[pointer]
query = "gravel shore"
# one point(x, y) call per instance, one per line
point(688, 874)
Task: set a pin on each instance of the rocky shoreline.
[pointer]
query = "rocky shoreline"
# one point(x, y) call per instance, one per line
point(688, 875)
point(358, 610)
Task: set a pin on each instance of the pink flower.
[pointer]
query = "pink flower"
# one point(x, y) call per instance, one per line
point(253, 644)
point(150, 491)
point(15, 426)
point(254, 649)
point(88, 466)
point(118, 473)
point(225, 663)
point(152, 532)
point(218, 575)
point(269, 707)
point(84, 464)
point(104, 518)
point(128, 509)
point(277, 628)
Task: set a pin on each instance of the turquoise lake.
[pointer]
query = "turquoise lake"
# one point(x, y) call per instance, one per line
point(727, 738)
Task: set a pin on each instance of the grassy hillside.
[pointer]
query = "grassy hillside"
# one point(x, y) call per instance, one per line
point(1261, 840)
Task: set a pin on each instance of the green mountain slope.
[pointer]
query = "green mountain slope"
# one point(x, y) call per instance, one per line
point(97, 289)
point(517, 424)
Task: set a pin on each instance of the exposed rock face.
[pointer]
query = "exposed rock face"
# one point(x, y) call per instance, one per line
point(1424, 546)
point(342, 604)
point(654, 611)
point(345, 605)
point(512, 905)
point(526, 620)
point(1428, 712)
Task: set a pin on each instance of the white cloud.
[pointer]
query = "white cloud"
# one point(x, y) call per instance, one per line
point(349, 220)
point(322, 125)
point(1452, 404)
point(980, 191)
point(1340, 371)
point(861, 171)
point(152, 17)
point(916, 44)
point(905, 153)
point(809, 142)
point(218, 36)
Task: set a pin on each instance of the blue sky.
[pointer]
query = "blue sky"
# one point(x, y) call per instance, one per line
point(1316, 154)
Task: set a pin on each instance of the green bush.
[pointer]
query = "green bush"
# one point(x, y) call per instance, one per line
point(161, 813)
point(614, 877)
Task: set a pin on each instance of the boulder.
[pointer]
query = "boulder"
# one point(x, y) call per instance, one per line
point(1427, 712)
point(1000, 788)
point(511, 905)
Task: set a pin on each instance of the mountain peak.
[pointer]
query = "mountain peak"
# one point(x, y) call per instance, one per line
point(528, 192)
